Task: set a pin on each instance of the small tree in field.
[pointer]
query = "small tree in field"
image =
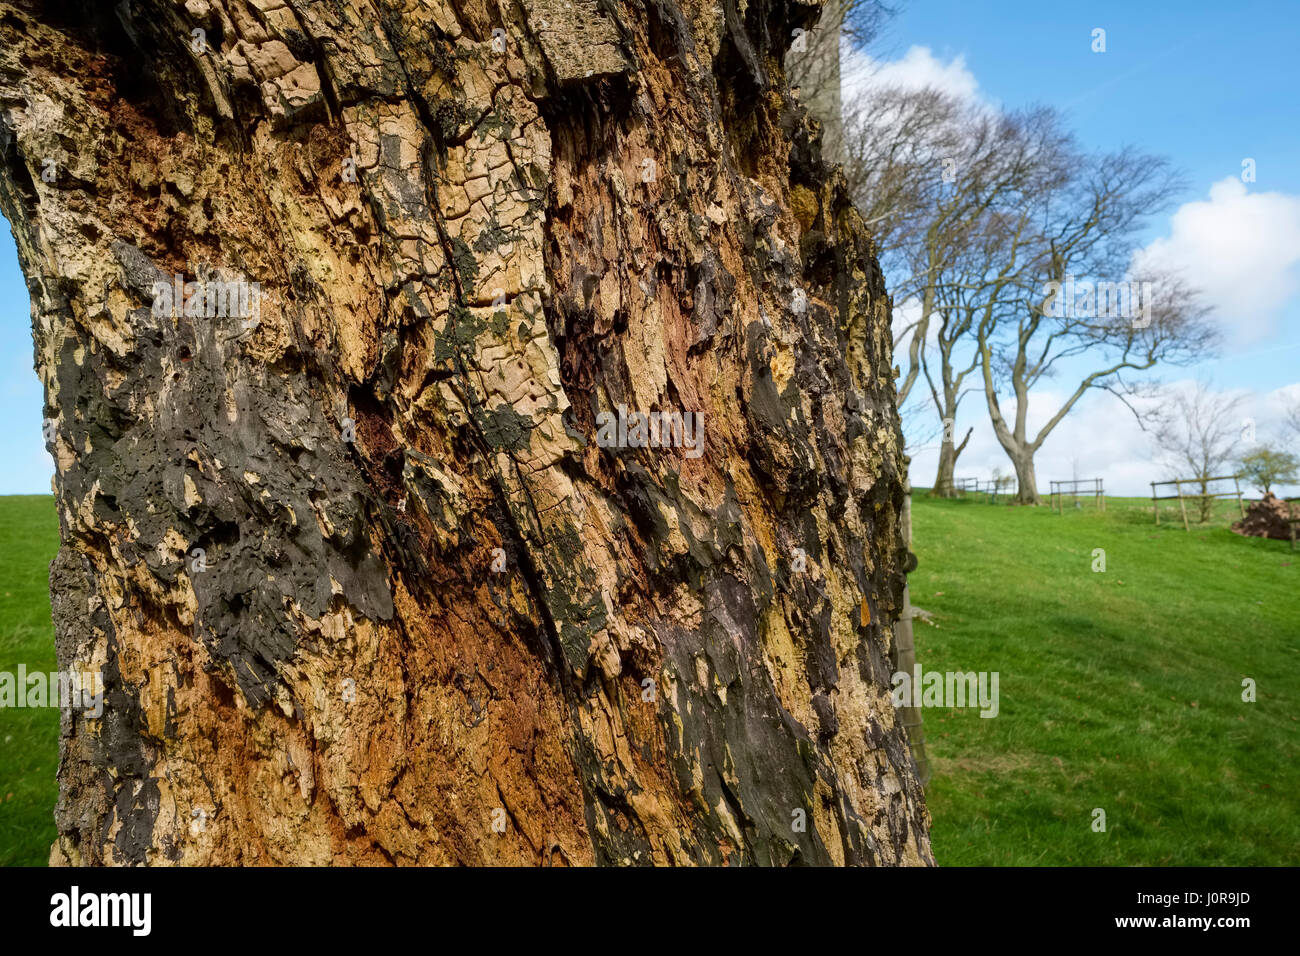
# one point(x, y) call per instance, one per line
point(1265, 467)
point(1197, 431)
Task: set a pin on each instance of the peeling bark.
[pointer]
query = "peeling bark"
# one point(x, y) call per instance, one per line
point(362, 583)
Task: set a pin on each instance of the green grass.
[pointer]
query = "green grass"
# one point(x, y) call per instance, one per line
point(29, 738)
point(1120, 690)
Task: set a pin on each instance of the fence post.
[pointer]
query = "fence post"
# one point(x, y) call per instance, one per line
point(905, 649)
point(1182, 504)
point(1155, 503)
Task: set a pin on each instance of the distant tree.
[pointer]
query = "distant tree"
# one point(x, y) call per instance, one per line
point(1198, 430)
point(1265, 467)
point(1001, 482)
point(937, 179)
point(896, 145)
point(1292, 421)
point(977, 214)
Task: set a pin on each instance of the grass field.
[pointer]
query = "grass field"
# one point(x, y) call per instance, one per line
point(1119, 690)
point(29, 738)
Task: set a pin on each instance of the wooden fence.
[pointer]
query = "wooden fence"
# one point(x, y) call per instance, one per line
point(1197, 495)
point(1088, 486)
point(1006, 485)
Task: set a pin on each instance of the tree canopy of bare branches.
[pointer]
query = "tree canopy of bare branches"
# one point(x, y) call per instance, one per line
point(1077, 308)
point(1010, 251)
point(928, 170)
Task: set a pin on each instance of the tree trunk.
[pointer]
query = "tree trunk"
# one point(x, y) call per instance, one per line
point(813, 67)
point(1206, 503)
point(379, 563)
point(944, 479)
point(1027, 493)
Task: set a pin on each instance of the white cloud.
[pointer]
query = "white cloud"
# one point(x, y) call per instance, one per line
point(1242, 249)
point(918, 68)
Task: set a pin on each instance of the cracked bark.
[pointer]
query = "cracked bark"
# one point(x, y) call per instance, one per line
point(475, 227)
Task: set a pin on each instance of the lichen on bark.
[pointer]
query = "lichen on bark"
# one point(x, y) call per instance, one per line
point(435, 621)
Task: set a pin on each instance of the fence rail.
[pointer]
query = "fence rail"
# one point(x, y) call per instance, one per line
point(990, 489)
point(1183, 496)
point(1092, 486)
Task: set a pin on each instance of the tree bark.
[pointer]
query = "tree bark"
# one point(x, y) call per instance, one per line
point(364, 580)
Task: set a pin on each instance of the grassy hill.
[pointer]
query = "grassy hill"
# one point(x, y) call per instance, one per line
point(1119, 690)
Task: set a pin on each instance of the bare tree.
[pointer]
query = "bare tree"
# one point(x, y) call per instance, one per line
point(991, 259)
point(1082, 303)
point(936, 178)
point(1198, 430)
point(989, 224)
point(1291, 421)
point(896, 145)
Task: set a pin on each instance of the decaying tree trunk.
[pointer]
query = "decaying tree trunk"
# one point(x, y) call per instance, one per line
point(365, 577)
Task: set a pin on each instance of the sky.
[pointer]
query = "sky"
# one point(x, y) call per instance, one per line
point(1207, 85)
point(25, 467)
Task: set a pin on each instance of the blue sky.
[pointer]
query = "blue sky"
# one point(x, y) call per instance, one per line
point(26, 467)
point(1205, 84)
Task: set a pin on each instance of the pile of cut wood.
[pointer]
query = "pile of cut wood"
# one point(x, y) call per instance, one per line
point(1268, 519)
